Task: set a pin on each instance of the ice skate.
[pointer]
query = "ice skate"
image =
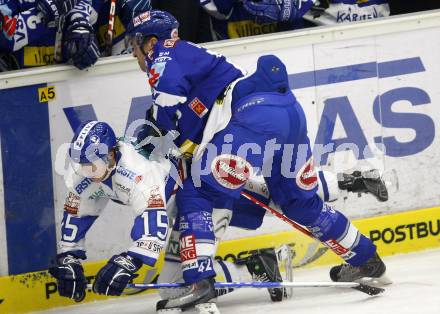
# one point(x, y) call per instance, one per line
point(364, 182)
point(199, 293)
point(371, 273)
point(263, 266)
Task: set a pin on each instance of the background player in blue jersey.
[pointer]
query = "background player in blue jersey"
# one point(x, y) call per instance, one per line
point(33, 30)
point(219, 115)
point(241, 18)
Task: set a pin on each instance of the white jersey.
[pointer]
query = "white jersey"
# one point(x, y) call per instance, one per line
point(137, 182)
point(346, 12)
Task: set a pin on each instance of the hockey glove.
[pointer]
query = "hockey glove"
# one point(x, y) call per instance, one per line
point(70, 277)
point(53, 9)
point(116, 274)
point(270, 11)
point(79, 44)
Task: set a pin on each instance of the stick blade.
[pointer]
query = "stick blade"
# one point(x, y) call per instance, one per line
point(370, 290)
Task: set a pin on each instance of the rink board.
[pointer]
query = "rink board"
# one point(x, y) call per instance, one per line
point(371, 84)
point(393, 234)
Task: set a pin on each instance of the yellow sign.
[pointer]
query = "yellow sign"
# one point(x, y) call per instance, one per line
point(249, 28)
point(38, 56)
point(393, 234)
point(46, 93)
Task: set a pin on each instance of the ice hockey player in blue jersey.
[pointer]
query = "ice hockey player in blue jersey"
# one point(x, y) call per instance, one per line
point(218, 115)
point(236, 18)
point(32, 30)
point(103, 168)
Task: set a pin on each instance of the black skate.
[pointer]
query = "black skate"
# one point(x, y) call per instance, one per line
point(372, 272)
point(364, 182)
point(199, 294)
point(263, 266)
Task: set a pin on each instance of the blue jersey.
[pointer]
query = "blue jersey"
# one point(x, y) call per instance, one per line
point(186, 81)
point(32, 41)
point(28, 37)
point(231, 20)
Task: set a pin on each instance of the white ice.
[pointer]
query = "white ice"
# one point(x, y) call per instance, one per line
point(415, 289)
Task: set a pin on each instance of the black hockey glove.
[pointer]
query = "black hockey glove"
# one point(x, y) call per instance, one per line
point(79, 44)
point(70, 277)
point(116, 274)
point(53, 9)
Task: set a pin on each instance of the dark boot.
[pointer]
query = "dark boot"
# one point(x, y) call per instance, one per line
point(263, 266)
point(373, 268)
point(199, 292)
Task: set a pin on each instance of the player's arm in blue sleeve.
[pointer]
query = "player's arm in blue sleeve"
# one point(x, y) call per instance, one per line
point(149, 234)
point(80, 45)
point(23, 29)
point(269, 11)
point(68, 269)
point(170, 89)
point(73, 231)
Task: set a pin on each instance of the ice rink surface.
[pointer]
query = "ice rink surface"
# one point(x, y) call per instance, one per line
point(415, 289)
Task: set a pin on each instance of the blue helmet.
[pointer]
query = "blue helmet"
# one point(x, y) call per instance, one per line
point(156, 23)
point(92, 140)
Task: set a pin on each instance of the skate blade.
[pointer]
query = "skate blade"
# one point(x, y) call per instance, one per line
point(207, 308)
point(375, 281)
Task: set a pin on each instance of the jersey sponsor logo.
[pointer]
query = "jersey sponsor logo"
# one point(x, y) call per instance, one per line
point(307, 178)
point(155, 200)
point(84, 184)
point(405, 232)
point(198, 107)
point(123, 188)
point(170, 43)
point(79, 143)
point(97, 194)
point(141, 18)
point(349, 16)
point(128, 174)
point(151, 246)
point(188, 248)
point(71, 204)
point(231, 171)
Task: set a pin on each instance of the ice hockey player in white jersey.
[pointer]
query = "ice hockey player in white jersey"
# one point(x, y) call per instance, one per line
point(330, 12)
point(104, 168)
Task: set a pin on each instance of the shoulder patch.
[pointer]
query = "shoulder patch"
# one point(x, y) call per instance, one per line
point(170, 43)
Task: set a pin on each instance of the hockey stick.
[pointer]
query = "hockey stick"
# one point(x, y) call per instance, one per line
point(278, 214)
point(111, 25)
point(298, 227)
point(223, 285)
point(58, 52)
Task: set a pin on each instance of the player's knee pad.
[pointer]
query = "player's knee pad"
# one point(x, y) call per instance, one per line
point(336, 232)
point(328, 189)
